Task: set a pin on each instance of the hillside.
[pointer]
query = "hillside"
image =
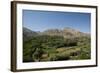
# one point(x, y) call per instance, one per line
point(27, 33)
point(55, 45)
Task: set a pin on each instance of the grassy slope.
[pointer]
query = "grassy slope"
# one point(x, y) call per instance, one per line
point(54, 48)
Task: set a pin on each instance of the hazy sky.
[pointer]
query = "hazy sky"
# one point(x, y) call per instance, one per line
point(42, 20)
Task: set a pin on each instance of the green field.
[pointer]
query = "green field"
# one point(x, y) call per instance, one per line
point(56, 48)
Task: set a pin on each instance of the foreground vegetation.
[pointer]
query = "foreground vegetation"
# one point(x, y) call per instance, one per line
point(56, 48)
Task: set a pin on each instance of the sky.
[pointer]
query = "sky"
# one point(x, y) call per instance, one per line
point(42, 20)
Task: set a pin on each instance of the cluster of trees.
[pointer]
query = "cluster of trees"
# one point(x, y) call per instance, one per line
point(35, 47)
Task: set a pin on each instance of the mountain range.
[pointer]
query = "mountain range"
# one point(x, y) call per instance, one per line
point(66, 33)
